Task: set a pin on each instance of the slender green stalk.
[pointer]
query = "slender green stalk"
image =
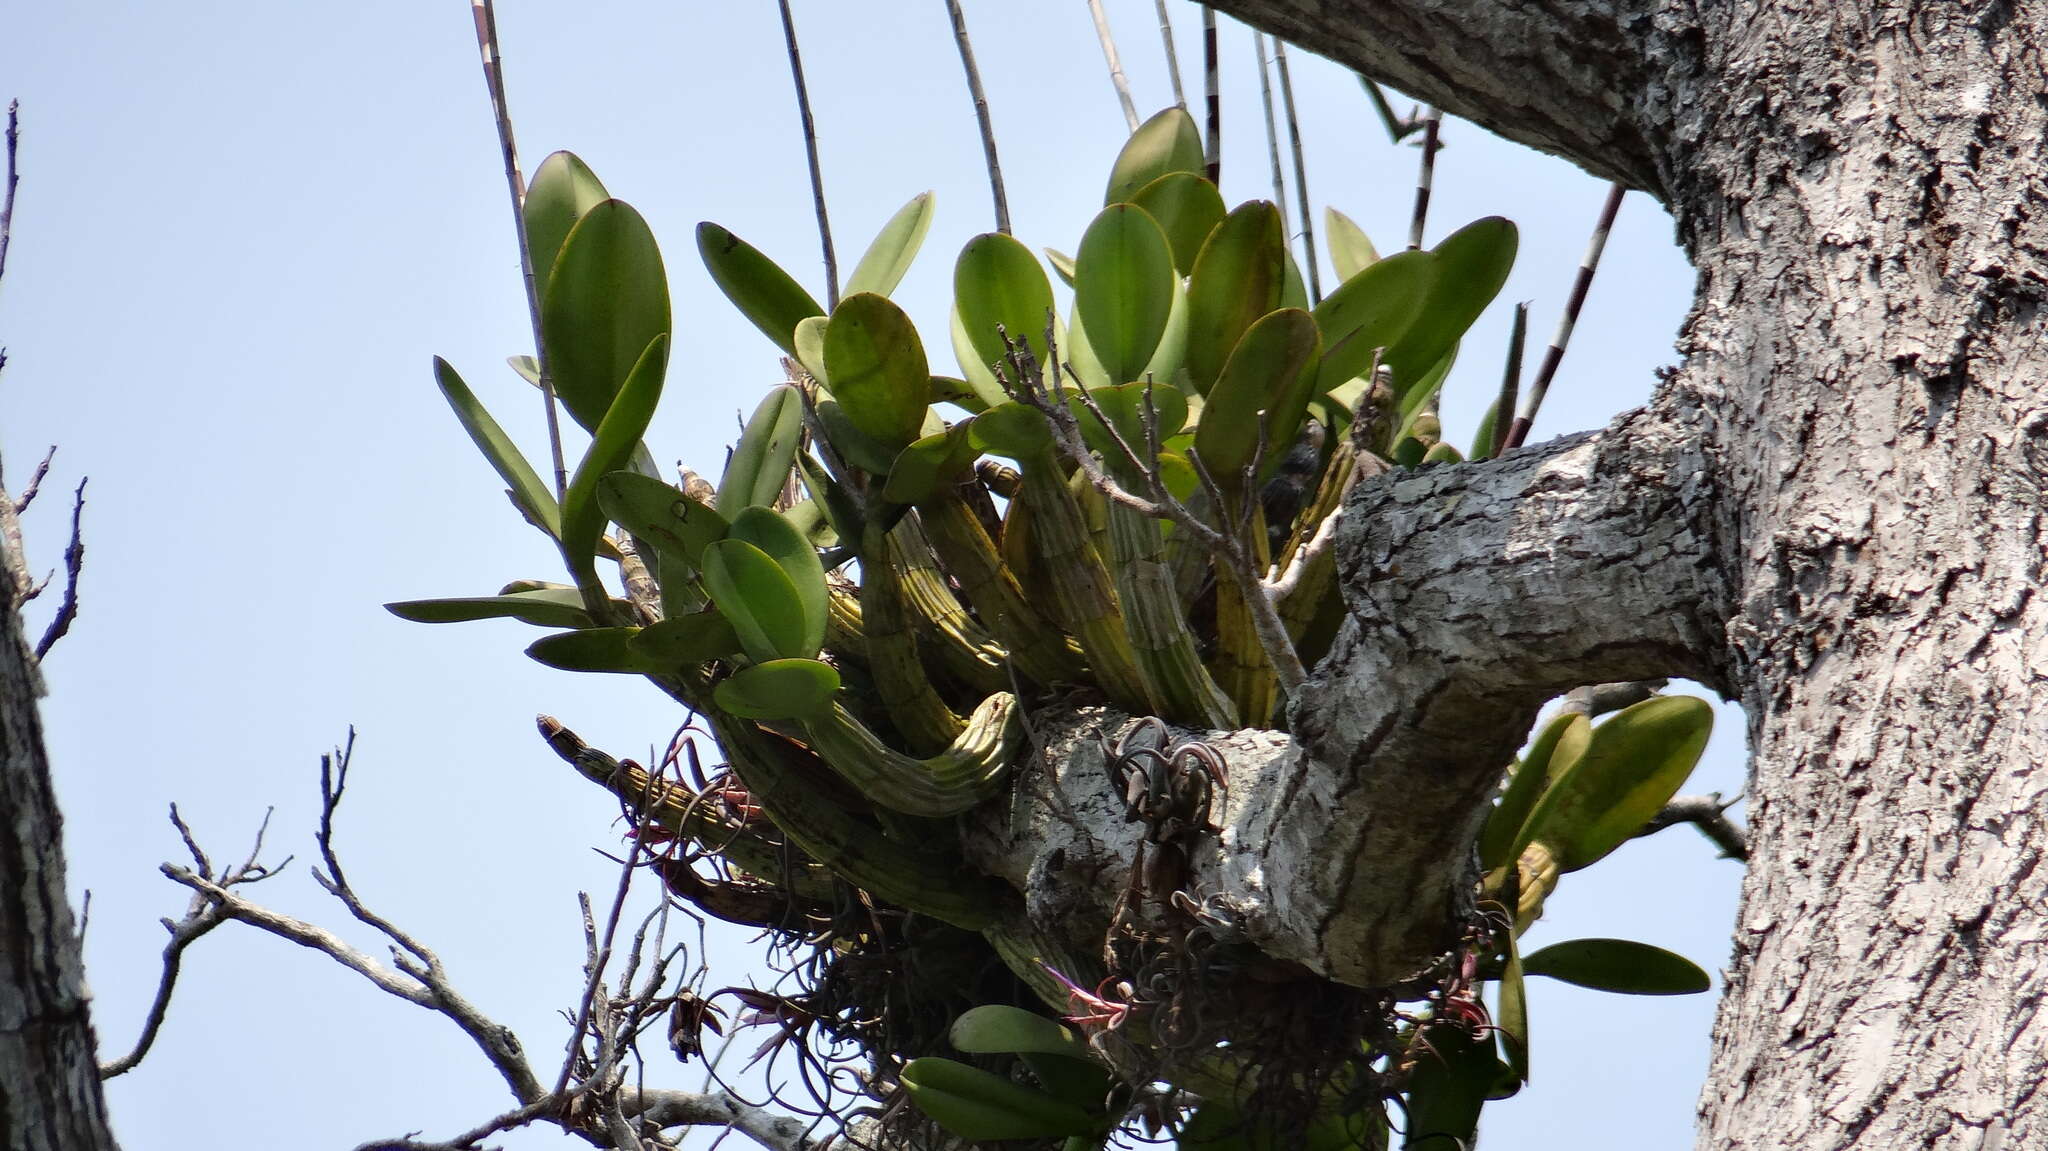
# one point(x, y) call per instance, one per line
point(1116, 68)
point(803, 107)
point(486, 17)
point(1555, 354)
point(988, 131)
point(1308, 225)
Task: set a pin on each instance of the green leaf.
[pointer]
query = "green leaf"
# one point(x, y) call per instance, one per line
point(975, 1104)
point(1636, 761)
point(889, 256)
point(857, 448)
point(1450, 1083)
point(840, 509)
point(660, 514)
point(685, 641)
point(1619, 965)
point(1123, 288)
point(1062, 265)
point(1188, 207)
point(1350, 251)
point(1513, 1017)
point(999, 1029)
point(770, 531)
point(878, 369)
point(610, 448)
point(760, 462)
point(1237, 279)
point(553, 607)
point(1561, 742)
point(932, 461)
point(1012, 429)
point(1125, 407)
point(605, 649)
point(606, 301)
point(1272, 369)
point(997, 283)
point(778, 689)
point(1373, 309)
point(762, 291)
point(758, 598)
point(562, 190)
point(810, 347)
point(1471, 264)
point(1168, 142)
point(532, 496)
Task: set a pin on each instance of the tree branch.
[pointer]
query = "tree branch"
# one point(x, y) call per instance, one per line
point(1476, 593)
point(1563, 76)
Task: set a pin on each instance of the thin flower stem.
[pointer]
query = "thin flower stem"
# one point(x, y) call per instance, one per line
point(486, 17)
point(803, 107)
point(1425, 177)
point(1580, 286)
point(988, 132)
point(1180, 97)
point(1116, 68)
point(1212, 98)
point(1272, 132)
point(1308, 226)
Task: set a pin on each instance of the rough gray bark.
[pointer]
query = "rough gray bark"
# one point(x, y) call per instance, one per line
point(1859, 187)
point(49, 1077)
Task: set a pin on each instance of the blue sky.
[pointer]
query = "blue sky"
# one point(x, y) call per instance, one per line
point(242, 232)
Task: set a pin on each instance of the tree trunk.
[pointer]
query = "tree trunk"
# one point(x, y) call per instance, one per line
point(1860, 188)
point(49, 1075)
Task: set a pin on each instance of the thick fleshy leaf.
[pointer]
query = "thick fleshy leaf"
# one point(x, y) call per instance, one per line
point(1636, 760)
point(1012, 429)
point(1561, 742)
point(810, 347)
point(607, 299)
point(1450, 1083)
point(1168, 142)
point(775, 535)
point(1271, 370)
point(563, 188)
point(999, 1029)
point(947, 390)
point(1373, 309)
point(1620, 965)
point(607, 649)
point(855, 447)
point(979, 1105)
point(1188, 207)
point(761, 290)
point(878, 369)
point(758, 598)
point(998, 288)
point(840, 509)
point(1471, 264)
point(532, 496)
point(1237, 279)
point(778, 689)
point(1123, 288)
point(1350, 251)
point(551, 607)
point(684, 641)
point(760, 461)
point(1513, 1017)
point(922, 468)
point(660, 514)
point(1061, 264)
point(611, 448)
point(881, 268)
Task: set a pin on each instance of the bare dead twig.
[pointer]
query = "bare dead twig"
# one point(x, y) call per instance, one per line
point(74, 566)
point(201, 917)
point(35, 482)
point(1709, 813)
point(1308, 221)
point(1272, 131)
point(1180, 97)
point(1581, 284)
point(1399, 127)
point(13, 178)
